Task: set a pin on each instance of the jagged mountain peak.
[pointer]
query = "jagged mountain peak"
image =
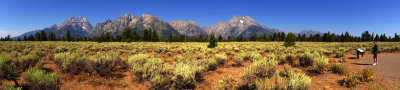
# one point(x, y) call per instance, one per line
point(76, 23)
point(190, 29)
point(238, 25)
point(107, 21)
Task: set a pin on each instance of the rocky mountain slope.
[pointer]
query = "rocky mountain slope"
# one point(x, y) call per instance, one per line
point(238, 25)
point(80, 27)
point(190, 29)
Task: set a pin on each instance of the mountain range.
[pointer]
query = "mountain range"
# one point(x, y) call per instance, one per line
point(80, 27)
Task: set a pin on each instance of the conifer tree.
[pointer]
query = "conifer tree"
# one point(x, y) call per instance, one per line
point(213, 41)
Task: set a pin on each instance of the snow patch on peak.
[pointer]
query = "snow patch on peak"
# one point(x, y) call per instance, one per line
point(241, 21)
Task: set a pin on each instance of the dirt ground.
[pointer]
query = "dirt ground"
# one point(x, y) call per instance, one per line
point(386, 74)
point(387, 70)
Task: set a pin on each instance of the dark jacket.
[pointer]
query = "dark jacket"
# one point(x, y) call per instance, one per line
point(375, 50)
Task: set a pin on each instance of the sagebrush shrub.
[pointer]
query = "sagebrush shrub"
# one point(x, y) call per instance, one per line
point(292, 60)
point(227, 83)
point(340, 54)
point(305, 59)
point(212, 64)
point(259, 69)
point(102, 63)
point(350, 80)
point(186, 75)
point(238, 58)
point(319, 62)
point(339, 68)
point(6, 66)
point(254, 56)
point(263, 84)
point(221, 58)
point(26, 61)
point(366, 75)
point(39, 79)
point(7, 86)
point(105, 63)
point(297, 81)
point(70, 62)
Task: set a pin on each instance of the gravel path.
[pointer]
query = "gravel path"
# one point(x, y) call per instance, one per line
point(388, 67)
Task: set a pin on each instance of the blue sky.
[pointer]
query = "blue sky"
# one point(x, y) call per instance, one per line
point(355, 16)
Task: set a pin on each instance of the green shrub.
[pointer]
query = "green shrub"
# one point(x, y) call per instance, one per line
point(7, 86)
point(248, 77)
point(6, 66)
point(212, 64)
point(152, 69)
point(259, 69)
point(138, 59)
point(263, 84)
point(264, 68)
point(227, 83)
point(254, 56)
point(239, 59)
point(102, 63)
point(350, 80)
point(340, 54)
point(319, 62)
point(305, 59)
point(339, 68)
point(292, 60)
point(186, 74)
point(105, 63)
point(26, 61)
point(366, 75)
point(297, 81)
point(39, 79)
point(221, 58)
point(72, 63)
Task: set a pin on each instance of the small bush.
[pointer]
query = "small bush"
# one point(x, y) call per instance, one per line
point(259, 69)
point(101, 63)
point(339, 68)
point(292, 60)
point(248, 77)
point(6, 67)
point(39, 79)
point(227, 83)
point(239, 59)
point(263, 84)
point(340, 54)
point(254, 56)
point(7, 86)
point(212, 64)
point(297, 81)
point(264, 68)
point(105, 63)
point(70, 62)
point(351, 80)
point(186, 74)
point(27, 61)
point(366, 75)
point(319, 62)
point(305, 59)
point(221, 59)
point(138, 58)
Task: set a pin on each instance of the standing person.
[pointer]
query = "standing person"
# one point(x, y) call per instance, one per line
point(375, 52)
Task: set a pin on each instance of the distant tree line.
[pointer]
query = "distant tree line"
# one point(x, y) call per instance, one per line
point(150, 35)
